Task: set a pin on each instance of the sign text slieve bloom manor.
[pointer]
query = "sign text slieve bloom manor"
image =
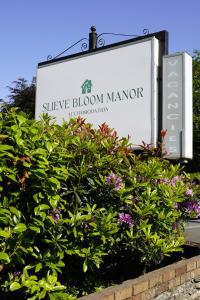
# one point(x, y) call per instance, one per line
point(86, 101)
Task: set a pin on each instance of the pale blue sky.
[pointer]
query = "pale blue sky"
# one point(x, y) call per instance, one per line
point(31, 30)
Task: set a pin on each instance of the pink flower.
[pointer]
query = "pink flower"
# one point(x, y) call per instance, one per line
point(16, 273)
point(189, 192)
point(175, 225)
point(176, 206)
point(55, 214)
point(115, 180)
point(125, 219)
point(192, 206)
point(172, 181)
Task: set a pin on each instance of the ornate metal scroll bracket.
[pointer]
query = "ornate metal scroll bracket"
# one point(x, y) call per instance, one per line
point(101, 41)
point(95, 41)
point(84, 47)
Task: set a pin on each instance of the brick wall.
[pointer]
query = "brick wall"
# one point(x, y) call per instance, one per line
point(150, 285)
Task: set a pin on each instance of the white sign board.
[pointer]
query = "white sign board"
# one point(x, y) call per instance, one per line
point(117, 85)
point(177, 105)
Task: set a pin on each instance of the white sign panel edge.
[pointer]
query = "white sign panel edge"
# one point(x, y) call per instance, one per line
point(187, 147)
point(154, 97)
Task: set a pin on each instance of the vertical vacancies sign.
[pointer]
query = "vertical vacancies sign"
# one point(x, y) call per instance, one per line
point(116, 84)
point(177, 105)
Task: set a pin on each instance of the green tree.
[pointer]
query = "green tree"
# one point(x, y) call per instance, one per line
point(195, 164)
point(22, 95)
point(196, 82)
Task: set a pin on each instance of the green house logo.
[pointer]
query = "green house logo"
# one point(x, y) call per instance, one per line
point(86, 86)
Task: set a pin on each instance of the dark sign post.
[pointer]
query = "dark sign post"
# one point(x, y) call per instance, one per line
point(92, 38)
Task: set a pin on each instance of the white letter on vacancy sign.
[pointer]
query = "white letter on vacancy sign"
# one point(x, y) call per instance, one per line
point(173, 116)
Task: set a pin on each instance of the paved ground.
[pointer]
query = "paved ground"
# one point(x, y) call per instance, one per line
point(187, 291)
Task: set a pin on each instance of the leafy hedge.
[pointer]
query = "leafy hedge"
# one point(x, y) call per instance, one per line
point(76, 201)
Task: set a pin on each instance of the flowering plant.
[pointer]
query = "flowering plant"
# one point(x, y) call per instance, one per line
point(75, 200)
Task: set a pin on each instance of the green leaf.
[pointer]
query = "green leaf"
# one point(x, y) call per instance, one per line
point(59, 288)
point(21, 119)
point(40, 172)
point(49, 146)
point(91, 181)
point(75, 232)
point(52, 279)
point(20, 260)
point(6, 154)
point(19, 141)
point(15, 286)
point(15, 211)
point(55, 182)
point(43, 293)
point(85, 267)
point(5, 147)
point(78, 199)
point(20, 228)
point(12, 177)
point(40, 151)
point(34, 228)
point(38, 267)
point(4, 233)
point(40, 208)
point(44, 207)
point(15, 220)
point(4, 257)
point(38, 222)
point(3, 136)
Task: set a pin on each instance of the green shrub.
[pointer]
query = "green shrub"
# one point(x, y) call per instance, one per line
point(74, 199)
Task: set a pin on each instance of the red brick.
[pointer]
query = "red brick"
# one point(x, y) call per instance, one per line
point(137, 297)
point(99, 296)
point(168, 275)
point(174, 282)
point(181, 270)
point(185, 277)
point(161, 288)
point(149, 294)
point(107, 297)
point(140, 287)
point(191, 265)
point(198, 263)
point(156, 279)
point(123, 291)
point(195, 273)
point(106, 294)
